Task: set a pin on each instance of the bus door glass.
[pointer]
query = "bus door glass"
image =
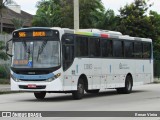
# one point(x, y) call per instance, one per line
point(67, 50)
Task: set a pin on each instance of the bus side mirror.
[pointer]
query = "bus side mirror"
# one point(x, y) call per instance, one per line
point(9, 48)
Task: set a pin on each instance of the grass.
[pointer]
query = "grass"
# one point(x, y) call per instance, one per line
point(7, 92)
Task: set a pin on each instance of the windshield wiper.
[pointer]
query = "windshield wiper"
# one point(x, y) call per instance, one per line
point(40, 50)
point(27, 50)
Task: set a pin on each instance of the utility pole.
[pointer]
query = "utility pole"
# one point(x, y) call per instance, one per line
point(76, 14)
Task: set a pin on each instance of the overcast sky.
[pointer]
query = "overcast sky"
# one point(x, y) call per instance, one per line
point(30, 5)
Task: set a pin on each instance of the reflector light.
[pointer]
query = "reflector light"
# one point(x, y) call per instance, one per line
point(104, 35)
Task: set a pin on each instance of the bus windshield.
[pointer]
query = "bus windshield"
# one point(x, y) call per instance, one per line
point(36, 54)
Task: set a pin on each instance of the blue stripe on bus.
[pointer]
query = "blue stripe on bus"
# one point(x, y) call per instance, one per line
point(96, 34)
point(33, 77)
point(76, 68)
point(110, 68)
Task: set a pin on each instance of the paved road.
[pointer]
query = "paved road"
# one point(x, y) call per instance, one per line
point(143, 98)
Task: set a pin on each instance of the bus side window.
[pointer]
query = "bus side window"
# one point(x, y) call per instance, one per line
point(146, 50)
point(106, 47)
point(81, 46)
point(138, 48)
point(94, 47)
point(118, 49)
point(128, 49)
point(67, 50)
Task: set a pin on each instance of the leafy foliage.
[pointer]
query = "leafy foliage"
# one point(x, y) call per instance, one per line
point(2, 53)
point(91, 13)
point(109, 20)
point(48, 14)
point(60, 13)
point(155, 33)
point(18, 23)
point(133, 19)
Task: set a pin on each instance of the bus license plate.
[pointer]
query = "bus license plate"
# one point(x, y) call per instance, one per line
point(32, 86)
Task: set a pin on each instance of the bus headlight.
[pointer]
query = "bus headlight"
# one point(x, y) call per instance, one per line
point(15, 79)
point(54, 77)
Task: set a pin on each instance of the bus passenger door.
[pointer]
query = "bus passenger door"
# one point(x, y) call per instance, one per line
point(95, 60)
point(67, 59)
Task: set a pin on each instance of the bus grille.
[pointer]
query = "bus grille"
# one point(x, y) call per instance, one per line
point(32, 80)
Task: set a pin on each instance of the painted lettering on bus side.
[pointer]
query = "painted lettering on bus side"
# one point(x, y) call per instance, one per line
point(123, 66)
point(87, 66)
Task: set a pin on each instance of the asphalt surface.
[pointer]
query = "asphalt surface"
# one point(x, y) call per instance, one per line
point(143, 98)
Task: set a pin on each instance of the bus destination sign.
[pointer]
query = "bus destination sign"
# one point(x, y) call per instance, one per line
point(39, 34)
point(33, 34)
point(22, 34)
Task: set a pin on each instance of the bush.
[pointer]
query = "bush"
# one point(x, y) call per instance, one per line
point(157, 68)
point(4, 72)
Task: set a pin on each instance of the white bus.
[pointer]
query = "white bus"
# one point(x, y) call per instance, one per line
point(61, 60)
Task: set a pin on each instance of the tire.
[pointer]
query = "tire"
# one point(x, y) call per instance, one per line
point(93, 91)
point(80, 90)
point(128, 86)
point(40, 95)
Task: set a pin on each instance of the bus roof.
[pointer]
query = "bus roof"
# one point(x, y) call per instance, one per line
point(109, 34)
point(90, 32)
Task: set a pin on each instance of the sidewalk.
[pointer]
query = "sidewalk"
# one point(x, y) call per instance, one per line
point(5, 87)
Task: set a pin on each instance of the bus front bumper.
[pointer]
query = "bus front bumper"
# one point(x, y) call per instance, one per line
point(56, 85)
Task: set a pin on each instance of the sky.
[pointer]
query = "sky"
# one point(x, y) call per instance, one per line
point(30, 5)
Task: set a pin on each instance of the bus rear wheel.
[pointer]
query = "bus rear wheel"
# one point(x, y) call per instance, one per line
point(128, 86)
point(80, 90)
point(40, 95)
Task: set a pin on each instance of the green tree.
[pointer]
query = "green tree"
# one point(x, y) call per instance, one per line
point(134, 20)
point(109, 21)
point(60, 13)
point(48, 14)
point(155, 33)
point(3, 55)
point(18, 23)
point(91, 13)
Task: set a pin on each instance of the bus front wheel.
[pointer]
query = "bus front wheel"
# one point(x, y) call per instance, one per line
point(40, 95)
point(79, 93)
